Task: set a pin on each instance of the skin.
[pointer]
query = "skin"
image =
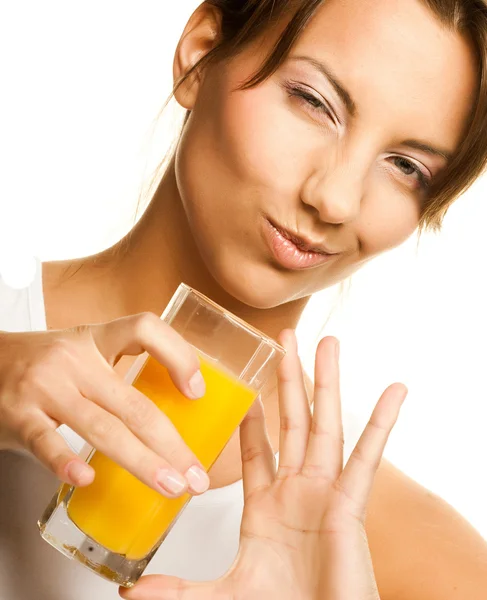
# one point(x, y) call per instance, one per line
point(346, 180)
point(302, 531)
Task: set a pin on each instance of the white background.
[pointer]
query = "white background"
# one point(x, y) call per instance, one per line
point(82, 84)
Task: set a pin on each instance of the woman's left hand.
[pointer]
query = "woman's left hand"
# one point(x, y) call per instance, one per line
point(302, 535)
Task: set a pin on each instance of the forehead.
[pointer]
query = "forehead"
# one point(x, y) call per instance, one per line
point(398, 60)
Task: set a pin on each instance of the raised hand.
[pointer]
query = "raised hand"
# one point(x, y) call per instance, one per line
point(302, 534)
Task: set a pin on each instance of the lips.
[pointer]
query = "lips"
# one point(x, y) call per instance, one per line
point(290, 252)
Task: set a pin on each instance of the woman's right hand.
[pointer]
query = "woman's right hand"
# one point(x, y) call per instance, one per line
point(67, 376)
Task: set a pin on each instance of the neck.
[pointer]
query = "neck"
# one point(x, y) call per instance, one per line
point(142, 271)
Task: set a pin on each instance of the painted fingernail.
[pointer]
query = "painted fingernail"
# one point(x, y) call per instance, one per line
point(171, 481)
point(197, 385)
point(79, 473)
point(198, 480)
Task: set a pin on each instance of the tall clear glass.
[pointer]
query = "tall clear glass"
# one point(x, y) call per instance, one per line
point(115, 525)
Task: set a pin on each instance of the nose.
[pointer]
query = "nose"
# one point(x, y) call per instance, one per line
point(335, 194)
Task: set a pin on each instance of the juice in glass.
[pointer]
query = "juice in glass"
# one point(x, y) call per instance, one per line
point(122, 513)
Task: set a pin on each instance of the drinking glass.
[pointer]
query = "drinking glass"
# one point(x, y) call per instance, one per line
point(115, 525)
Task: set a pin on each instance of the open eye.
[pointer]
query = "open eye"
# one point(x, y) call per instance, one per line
point(410, 168)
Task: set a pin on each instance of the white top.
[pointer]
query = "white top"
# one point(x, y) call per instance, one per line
point(201, 546)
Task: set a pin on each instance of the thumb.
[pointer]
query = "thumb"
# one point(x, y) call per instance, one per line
point(167, 587)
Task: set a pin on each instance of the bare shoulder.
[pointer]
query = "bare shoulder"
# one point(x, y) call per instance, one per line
point(56, 296)
point(71, 291)
point(422, 548)
point(56, 272)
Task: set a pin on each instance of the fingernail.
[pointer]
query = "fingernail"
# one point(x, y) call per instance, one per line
point(197, 385)
point(171, 481)
point(198, 480)
point(337, 350)
point(79, 472)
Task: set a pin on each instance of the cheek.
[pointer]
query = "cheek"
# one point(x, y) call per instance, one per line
point(259, 139)
point(387, 220)
point(246, 144)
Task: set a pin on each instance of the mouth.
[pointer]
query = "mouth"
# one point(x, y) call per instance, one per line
point(292, 251)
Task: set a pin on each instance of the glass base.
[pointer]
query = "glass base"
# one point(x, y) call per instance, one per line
point(56, 525)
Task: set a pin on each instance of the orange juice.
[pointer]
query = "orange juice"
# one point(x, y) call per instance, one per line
point(123, 514)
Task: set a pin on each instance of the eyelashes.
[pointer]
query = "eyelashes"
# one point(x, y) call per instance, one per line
point(314, 103)
point(318, 108)
point(408, 164)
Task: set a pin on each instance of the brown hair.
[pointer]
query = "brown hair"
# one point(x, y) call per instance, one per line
point(243, 21)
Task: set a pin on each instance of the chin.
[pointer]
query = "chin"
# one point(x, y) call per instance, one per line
point(241, 271)
point(255, 285)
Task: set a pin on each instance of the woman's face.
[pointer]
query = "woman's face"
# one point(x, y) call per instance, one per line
point(336, 148)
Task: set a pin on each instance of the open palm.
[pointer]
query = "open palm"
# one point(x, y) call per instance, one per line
point(302, 534)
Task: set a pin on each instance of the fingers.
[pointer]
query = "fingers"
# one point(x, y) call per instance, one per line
point(293, 407)
point(358, 476)
point(146, 421)
point(324, 457)
point(108, 434)
point(147, 332)
point(40, 437)
point(258, 461)
point(65, 376)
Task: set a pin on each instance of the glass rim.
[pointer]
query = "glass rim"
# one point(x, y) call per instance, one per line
point(174, 306)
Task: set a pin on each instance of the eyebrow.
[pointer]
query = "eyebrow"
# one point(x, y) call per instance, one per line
point(417, 145)
point(351, 107)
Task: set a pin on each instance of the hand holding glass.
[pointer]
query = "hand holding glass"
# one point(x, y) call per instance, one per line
point(115, 525)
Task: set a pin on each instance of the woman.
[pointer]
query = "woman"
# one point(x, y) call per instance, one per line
point(319, 134)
